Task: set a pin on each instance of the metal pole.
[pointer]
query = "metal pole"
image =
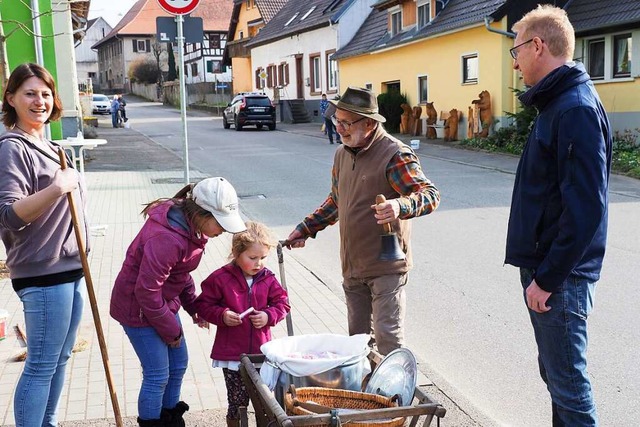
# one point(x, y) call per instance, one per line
point(283, 282)
point(37, 36)
point(183, 97)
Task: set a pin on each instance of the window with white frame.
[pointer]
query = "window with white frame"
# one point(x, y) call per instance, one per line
point(396, 22)
point(332, 72)
point(470, 69)
point(316, 75)
point(423, 89)
point(608, 57)
point(424, 13)
point(622, 55)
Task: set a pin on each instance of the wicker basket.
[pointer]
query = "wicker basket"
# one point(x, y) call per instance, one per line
point(343, 399)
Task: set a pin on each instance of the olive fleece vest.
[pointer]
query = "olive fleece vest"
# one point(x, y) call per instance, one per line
point(361, 177)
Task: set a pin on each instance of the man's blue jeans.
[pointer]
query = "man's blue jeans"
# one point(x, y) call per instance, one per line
point(163, 368)
point(561, 335)
point(52, 316)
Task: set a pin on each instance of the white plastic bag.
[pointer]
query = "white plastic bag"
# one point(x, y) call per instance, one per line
point(283, 354)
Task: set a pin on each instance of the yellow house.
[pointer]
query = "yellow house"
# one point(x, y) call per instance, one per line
point(247, 19)
point(447, 52)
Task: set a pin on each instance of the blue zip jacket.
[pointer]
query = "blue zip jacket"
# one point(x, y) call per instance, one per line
point(558, 220)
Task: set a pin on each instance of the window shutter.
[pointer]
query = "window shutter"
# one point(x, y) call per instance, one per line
point(148, 44)
point(269, 77)
point(286, 73)
point(257, 78)
point(209, 66)
point(135, 45)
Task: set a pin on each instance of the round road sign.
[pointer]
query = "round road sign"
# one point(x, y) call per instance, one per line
point(179, 7)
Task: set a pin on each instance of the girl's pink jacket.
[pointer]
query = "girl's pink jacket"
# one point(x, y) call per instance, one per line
point(227, 289)
point(155, 279)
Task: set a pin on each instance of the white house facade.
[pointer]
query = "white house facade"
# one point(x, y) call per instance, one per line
point(87, 58)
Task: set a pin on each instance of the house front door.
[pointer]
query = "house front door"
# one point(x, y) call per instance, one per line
point(299, 78)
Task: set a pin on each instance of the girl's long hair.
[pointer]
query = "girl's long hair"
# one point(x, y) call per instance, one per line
point(195, 214)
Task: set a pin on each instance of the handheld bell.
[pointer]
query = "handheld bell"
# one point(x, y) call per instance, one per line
point(390, 248)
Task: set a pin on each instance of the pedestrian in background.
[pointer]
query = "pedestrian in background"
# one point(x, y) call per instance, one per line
point(123, 108)
point(42, 252)
point(374, 289)
point(155, 281)
point(115, 111)
point(558, 223)
point(327, 110)
point(244, 300)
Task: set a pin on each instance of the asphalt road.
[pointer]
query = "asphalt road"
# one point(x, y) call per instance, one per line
point(466, 318)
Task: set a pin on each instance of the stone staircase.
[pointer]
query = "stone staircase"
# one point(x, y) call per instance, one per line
point(299, 112)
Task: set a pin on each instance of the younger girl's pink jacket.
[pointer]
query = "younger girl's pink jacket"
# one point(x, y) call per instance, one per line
point(227, 289)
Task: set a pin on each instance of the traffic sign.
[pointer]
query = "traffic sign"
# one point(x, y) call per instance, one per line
point(178, 7)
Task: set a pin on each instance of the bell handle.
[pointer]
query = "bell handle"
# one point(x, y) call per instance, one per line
point(386, 226)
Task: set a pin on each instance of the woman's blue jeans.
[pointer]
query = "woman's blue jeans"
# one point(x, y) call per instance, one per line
point(561, 335)
point(52, 316)
point(163, 368)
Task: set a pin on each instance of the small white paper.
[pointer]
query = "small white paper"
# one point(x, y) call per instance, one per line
point(247, 312)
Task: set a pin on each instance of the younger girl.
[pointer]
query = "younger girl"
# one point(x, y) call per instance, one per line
point(242, 284)
point(155, 281)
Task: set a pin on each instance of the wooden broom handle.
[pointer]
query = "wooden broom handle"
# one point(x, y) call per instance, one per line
point(387, 226)
point(92, 296)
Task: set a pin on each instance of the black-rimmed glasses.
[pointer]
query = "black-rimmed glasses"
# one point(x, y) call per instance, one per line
point(514, 50)
point(345, 124)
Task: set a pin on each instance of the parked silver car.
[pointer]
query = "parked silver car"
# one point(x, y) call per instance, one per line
point(100, 104)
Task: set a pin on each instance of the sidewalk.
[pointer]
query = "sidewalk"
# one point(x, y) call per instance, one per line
point(116, 198)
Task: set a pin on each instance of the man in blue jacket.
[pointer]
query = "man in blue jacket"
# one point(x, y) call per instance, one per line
point(558, 223)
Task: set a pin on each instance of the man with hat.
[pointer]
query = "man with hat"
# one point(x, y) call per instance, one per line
point(371, 162)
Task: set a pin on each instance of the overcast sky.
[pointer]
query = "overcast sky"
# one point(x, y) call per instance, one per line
point(111, 10)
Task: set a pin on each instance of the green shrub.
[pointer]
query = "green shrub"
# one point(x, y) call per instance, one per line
point(389, 105)
point(144, 71)
point(512, 139)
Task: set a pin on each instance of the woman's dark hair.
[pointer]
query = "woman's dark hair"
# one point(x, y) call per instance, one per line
point(21, 74)
point(194, 213)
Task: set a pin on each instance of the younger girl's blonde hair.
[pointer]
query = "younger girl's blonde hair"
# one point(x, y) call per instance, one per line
point(256, 232)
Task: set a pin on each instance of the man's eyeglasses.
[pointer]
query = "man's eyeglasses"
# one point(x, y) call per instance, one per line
point(345, 124)
point(514, 50)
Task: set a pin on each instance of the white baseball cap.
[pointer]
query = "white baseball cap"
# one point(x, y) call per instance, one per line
point(218, 196)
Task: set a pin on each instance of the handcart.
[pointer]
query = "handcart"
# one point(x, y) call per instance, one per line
point(269, 413)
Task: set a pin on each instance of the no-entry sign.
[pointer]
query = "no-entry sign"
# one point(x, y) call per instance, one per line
point(179, 7)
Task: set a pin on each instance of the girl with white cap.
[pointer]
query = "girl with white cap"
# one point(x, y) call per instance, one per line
point(155, 281)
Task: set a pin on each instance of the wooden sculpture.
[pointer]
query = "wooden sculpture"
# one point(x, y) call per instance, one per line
point(416, 130)
point(451, 126)
point(405, 119)
point(470, 123)
point(432, 118)
point(483, 113)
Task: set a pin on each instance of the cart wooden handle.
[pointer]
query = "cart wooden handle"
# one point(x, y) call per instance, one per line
point(387, 226)
point(92, 296)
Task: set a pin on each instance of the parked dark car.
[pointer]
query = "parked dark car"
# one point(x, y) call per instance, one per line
point(250, 109)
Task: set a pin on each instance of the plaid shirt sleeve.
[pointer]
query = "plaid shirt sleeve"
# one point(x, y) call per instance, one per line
point(418, 195)
point(326, 214)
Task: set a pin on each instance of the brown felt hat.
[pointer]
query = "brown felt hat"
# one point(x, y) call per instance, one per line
point(360, 101)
